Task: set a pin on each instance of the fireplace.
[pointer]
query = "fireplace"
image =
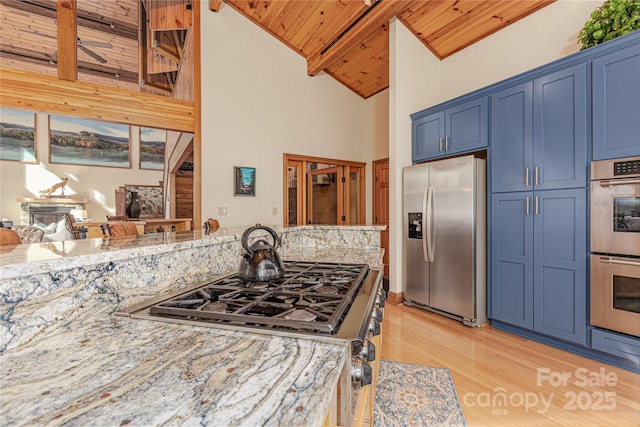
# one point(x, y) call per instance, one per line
point(45, 211)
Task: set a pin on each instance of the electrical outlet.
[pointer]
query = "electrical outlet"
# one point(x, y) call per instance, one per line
point(274, 211)
point(222, 211)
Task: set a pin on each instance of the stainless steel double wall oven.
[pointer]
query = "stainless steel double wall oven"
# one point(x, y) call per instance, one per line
point(615, 245)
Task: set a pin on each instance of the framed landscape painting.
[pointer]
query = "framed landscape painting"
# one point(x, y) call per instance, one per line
point(245, 181)
point(88, 142)
point(152, 143)
point(17, 135)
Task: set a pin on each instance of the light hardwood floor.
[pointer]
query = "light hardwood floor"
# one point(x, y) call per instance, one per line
point(506, 380)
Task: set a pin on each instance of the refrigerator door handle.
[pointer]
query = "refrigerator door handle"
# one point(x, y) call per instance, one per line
point(428, 242)
point(425, 225)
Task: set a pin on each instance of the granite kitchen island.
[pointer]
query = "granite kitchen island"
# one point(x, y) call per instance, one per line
point(68, 360)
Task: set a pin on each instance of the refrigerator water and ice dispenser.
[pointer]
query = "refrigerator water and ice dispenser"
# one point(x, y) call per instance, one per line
point(415, 225)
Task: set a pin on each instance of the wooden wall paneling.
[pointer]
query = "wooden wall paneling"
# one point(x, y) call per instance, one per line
point(171, 14)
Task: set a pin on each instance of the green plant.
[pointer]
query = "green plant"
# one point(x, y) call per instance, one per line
point(613, 19)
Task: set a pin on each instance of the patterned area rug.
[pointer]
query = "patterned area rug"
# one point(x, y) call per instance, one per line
point(413, 395)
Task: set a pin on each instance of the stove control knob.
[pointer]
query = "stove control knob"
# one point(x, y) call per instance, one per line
point(377, 314)
point(369, 351)
point(381, 298)
point(361, 372)
point(356, 347)
point(374, 327)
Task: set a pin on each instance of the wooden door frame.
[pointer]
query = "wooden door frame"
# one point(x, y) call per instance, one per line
point(290, 158)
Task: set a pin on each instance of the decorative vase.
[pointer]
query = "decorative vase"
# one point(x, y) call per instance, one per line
point(133, 208)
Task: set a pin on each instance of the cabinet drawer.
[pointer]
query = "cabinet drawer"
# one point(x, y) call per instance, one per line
point(617, 345)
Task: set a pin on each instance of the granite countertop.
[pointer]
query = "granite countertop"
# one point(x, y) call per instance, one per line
point(118, 371)
point(66, 359)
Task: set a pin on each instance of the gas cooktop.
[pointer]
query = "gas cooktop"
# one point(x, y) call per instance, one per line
point(324, 299)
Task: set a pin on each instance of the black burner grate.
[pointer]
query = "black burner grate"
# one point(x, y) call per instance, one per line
point(311, 297)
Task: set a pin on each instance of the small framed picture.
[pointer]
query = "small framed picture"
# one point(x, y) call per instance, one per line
point(244, 181)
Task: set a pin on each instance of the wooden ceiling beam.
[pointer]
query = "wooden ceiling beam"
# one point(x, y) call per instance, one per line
point(215, 5)
point(380, 15)
point(67, 40)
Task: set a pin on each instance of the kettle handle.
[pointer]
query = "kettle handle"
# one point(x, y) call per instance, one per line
point(245, 237)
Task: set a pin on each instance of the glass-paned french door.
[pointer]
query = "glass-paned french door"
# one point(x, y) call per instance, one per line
point(323, 191)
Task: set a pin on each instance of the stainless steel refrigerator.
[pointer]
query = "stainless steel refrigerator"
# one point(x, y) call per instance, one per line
point(444, 210)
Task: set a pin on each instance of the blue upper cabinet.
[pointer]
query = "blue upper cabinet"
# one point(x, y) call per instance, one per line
point(539, 133)
point(616, 104)
point(457, 129)
point(428, 136)
point(512, 138)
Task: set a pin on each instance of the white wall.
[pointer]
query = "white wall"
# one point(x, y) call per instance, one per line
point(414, 78)
point(418, 80)
point(98, 184)
point(258, 103)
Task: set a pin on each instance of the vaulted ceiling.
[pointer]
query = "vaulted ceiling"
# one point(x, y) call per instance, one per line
point(348, 39)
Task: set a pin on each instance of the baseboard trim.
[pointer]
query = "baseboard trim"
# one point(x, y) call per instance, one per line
point(395, 298)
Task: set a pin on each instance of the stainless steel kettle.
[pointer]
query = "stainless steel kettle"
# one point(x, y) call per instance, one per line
point(261, 261)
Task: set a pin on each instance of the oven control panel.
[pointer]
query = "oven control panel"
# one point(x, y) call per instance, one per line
point(630, 167)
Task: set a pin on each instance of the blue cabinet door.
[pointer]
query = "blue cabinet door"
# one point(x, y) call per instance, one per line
point(512, 259)
point(458, 129)
point(467, 127)
point(539, 133)
point(560, 264)
point(512, 138)
point(428, 137)
point(616, 104)
point(560, 129)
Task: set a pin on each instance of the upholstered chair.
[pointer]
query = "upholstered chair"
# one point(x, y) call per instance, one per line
point(29, 233)
point(9, 237)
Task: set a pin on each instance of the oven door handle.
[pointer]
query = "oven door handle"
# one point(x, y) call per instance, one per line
point(607, 260)
point(610, 182)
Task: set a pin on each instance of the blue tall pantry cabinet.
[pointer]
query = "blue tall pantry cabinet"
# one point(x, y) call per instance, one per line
point(539, 145)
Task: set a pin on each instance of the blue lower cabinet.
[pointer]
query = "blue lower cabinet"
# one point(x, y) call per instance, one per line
point(539, 262)
point(623, 346)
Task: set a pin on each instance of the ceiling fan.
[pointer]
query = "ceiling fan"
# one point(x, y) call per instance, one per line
point(82, 45)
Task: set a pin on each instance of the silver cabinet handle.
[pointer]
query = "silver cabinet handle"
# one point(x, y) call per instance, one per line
point(526, 206)
point(526, 177)
point(535, 176)
point(446, 143)
point(440, 144)
point(537, 210)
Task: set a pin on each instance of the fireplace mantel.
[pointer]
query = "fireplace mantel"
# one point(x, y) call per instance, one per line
point(53, 200)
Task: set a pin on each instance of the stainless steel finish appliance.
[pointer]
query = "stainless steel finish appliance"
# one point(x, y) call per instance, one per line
point(335, 302)
point(615, 293)
point(444, 211)
point(615, 206)
point(615, 245)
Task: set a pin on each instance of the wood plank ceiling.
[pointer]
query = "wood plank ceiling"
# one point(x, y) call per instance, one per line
point(348, 39)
